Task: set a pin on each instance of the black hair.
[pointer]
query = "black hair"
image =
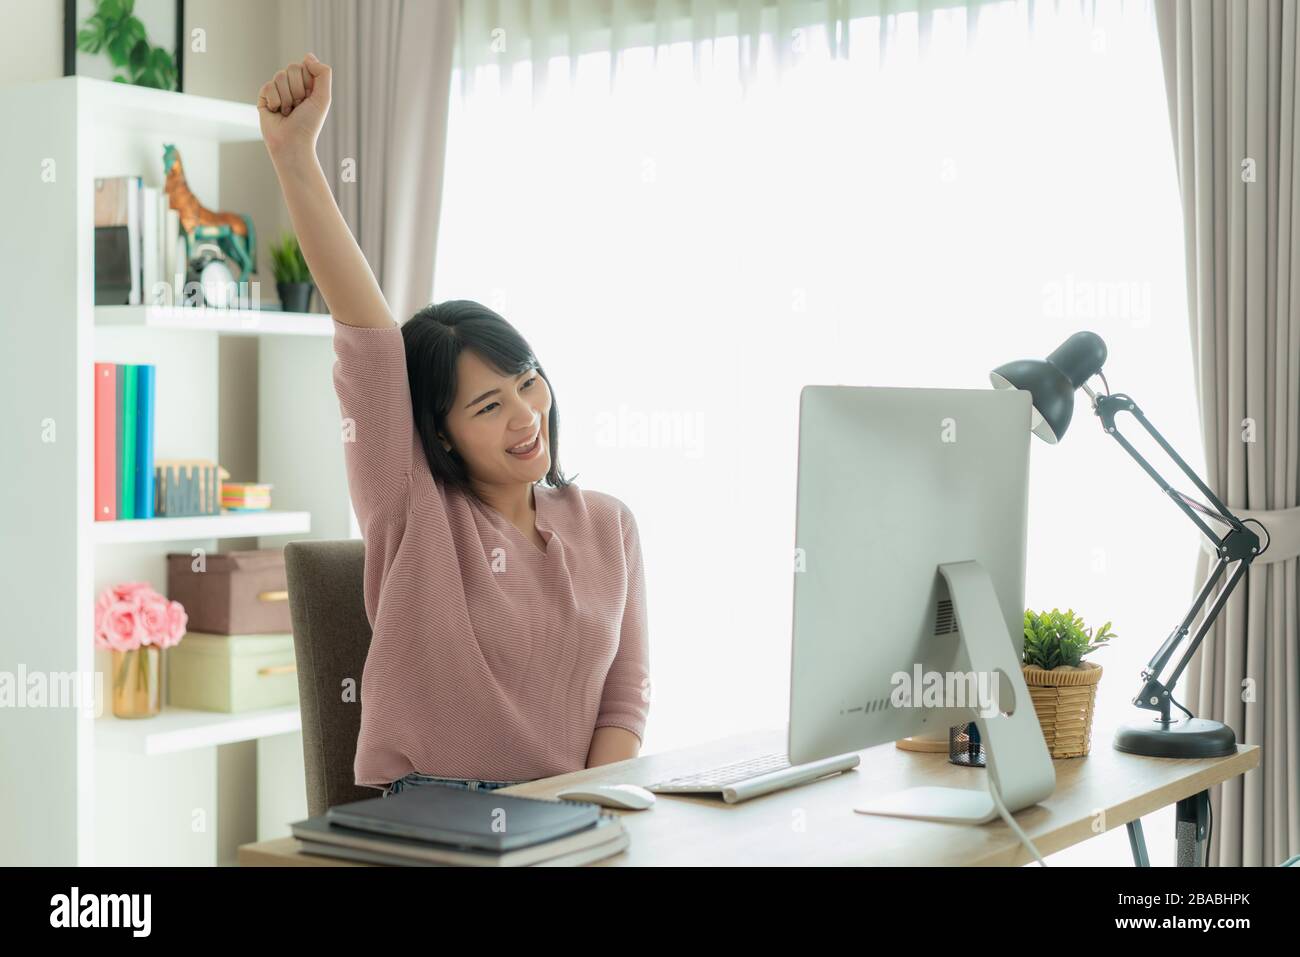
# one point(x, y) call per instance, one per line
point(434, 338)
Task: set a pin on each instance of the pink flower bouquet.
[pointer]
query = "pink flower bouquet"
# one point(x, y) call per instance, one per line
point(133, 615)
point(134, 621)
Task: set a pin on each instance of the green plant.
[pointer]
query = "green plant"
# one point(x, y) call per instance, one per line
point(1054, 638)
point(287, 261)
point(115, 29)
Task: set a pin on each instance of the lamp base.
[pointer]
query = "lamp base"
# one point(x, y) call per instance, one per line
point(1186, 738)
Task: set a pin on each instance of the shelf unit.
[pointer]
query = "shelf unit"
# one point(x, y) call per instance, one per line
point(95, 789)
point(228, 322)
point(181, 729)
point(226, 525)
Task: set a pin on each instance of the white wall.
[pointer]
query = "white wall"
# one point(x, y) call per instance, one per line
point(31, 44)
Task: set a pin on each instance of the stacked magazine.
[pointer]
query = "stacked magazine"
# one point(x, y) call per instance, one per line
point(439, 825)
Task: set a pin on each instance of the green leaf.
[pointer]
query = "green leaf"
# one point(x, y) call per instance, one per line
point(139, 55)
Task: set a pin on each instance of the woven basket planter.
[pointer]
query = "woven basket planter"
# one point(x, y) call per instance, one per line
point(1064, 701)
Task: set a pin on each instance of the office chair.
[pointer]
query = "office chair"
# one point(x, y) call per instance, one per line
point(331, 636)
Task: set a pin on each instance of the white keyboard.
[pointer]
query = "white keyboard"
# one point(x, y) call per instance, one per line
point(749, 778)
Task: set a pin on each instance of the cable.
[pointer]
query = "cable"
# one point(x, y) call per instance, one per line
point(1011, 822)
point(1103, 380)
point(1209, 833)
point(1180, 707)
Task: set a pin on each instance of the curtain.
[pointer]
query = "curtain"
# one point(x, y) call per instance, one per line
point(551, 35)
point(1232, 85)
point(384, 144)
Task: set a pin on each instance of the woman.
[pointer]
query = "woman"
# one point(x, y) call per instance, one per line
point(508, 617)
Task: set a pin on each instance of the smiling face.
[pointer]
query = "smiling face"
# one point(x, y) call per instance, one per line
point(494, 414)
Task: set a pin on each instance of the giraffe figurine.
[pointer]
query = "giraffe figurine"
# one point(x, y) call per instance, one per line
point(233, 232)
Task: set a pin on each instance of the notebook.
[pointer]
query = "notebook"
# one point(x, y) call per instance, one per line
point(603, 839)
point(463, 818)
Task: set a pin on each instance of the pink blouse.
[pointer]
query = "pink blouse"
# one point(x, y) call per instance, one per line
point(490, 657)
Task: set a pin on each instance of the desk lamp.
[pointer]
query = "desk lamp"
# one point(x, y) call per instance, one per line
point(1052, 383)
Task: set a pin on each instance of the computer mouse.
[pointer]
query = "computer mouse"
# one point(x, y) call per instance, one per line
point(628, 797)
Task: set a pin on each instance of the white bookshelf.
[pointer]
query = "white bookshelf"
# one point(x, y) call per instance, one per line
point(229, 322)
point(182, 729)
point(226, 525)
point(78, 782)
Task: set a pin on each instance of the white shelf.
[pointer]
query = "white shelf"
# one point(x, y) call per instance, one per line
point(181, 729)
point(96, 772)
point(225, 525)
point(125, 107)
point(234, 322)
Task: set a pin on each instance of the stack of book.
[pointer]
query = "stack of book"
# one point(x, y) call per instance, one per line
point(124, 441)
point(440, 825)
point(140, 252)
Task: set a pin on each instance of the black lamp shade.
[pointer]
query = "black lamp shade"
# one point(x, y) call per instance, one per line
point(1052, 381)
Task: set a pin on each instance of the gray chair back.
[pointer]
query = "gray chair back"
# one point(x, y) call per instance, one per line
point(331, 636)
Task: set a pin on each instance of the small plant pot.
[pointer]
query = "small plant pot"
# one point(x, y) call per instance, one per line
point(295, 296)
point(1064, 699)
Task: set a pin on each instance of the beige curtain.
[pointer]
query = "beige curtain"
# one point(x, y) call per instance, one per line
point(500, 33)
point(1232, 83)
point(384, 145)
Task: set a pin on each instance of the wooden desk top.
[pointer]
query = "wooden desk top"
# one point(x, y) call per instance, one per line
point(815, 824)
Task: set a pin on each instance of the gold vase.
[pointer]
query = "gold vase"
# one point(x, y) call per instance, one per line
point(137, 682)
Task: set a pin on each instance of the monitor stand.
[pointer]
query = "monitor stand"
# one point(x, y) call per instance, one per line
point(1015, 750)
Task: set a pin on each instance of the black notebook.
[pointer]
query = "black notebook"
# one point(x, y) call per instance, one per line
point(459, 817)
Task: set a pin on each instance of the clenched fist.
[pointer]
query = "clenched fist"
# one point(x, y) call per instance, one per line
point(292, 106)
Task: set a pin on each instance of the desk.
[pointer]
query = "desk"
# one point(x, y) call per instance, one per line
point(815, 824)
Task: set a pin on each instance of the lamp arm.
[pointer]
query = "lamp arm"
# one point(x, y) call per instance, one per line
point(1239, 544)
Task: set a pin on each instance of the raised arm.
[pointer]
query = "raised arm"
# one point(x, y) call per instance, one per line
point(292, 107)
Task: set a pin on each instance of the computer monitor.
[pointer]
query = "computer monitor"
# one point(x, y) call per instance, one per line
point(910, 565)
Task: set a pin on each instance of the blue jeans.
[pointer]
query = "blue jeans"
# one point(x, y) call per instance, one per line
point(415, 779)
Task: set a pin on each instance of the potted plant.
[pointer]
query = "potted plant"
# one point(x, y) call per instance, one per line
point(136, 623)
point(1062, 685)
point(293, 281)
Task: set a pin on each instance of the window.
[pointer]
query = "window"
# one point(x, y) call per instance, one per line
point(684, 255)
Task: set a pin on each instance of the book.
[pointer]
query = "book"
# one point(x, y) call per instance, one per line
point(144, 477)
point(105, 441)
point(471, 819)
point(150, 245)
point(174, 253)
point(586, 855)
point(128, 379)
point(318, 831)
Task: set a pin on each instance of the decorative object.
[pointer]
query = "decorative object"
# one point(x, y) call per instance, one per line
point(246, 496)
point(293, 282)
point(1052, 382)
point(232, 232)
point(209, 279)
point(1062, 686)
point(232, 673)
point(185, 487)
point(232, 593)
point(140, 42)
point(136, 623)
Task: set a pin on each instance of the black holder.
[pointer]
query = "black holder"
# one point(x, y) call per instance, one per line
point(964, 746)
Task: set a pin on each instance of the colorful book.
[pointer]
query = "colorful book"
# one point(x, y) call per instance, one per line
point(105, 442)
point(127, 415)
point(144, 478)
